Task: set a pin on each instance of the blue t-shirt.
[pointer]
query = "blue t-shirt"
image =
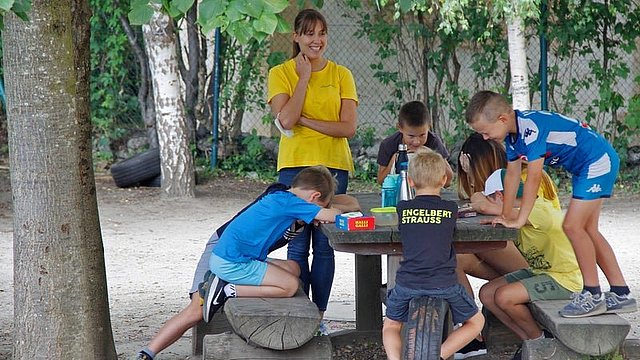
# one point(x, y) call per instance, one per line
point(560, 140)
point(250, 235)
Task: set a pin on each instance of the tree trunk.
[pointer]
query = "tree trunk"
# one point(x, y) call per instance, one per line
point(145, 95)
point(178, 179)
point(61, 307)
point(190, 71)
point(518, 64)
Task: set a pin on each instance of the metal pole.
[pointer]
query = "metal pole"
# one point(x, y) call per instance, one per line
point(4, 103)
point(216, 99)
point(543, 56)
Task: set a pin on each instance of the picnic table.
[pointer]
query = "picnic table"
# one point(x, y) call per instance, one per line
point(369, 245)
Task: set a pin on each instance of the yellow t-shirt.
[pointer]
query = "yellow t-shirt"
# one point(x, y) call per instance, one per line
point(546, 248)
point(325, 92)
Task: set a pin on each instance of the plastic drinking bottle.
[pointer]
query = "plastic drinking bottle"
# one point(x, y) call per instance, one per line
point(389, 190)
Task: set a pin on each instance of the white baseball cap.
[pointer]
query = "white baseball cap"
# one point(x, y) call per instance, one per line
point(495, 183)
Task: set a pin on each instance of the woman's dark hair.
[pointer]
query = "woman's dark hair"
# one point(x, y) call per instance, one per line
point(305, 21)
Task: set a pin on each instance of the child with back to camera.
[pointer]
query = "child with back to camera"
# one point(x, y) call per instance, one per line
point(414, 130)
point(429, 264)
point(542, 137)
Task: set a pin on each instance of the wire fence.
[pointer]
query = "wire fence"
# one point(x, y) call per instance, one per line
point(358, 54)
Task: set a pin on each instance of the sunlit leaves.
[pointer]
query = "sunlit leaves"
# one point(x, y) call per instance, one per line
point(141, 12)
point(243, 19)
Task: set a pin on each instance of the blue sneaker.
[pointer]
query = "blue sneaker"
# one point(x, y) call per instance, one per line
point(584, 304)
point(618, 304)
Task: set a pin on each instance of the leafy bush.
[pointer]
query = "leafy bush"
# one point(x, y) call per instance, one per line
point(253, 158)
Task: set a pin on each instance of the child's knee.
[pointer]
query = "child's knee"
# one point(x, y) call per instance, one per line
point(293, 267)
point(391, 325)
point(486, 294)
point(476, 322)
point(193, 311)
point(570, 228)
point(291, 285)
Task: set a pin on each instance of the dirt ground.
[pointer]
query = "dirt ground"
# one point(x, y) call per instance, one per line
point(152, 245)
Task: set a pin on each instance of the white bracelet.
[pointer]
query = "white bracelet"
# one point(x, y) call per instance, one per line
point(285, 132)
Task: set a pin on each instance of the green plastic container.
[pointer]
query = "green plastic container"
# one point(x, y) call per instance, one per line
point(385, 216)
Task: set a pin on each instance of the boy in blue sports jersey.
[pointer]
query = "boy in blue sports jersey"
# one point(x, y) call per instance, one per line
point(544, 138)
point(239, 264)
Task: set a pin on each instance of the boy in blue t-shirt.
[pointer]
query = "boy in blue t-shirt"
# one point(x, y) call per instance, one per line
point(428, 267)
point(189, 317)
point(539, 138)
point(239, 263)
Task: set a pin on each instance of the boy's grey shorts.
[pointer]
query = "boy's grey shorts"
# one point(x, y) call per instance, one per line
point(203, 263)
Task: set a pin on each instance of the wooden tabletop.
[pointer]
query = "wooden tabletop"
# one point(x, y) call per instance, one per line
point(470, 235)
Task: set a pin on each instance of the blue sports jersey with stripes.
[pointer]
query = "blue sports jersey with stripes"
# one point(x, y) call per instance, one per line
point(569, 143)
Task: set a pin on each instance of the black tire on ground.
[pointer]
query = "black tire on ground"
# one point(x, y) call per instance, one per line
point(153, 182)
point(633, 155)
point(137, 169)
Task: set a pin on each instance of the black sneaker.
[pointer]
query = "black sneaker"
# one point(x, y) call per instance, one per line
point(474, 348)
point(214, 295)
point(518, 354)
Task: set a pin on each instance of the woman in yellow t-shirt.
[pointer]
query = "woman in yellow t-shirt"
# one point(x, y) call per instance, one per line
point(314, 102)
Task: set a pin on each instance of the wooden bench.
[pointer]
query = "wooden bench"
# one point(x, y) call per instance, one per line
point(428, 325)
point(230, 346)
point(270, 323)
point(574, 337)
point(217, 325)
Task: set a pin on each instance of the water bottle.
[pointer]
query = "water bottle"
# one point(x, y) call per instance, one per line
point(405, 190)
point(402, 159)
point(389, 190)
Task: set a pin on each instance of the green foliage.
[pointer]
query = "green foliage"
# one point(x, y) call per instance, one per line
point(418, 62)
point(604, 33)
point(629, 180)
point(242, 83)
point(366, 171)
point(252, 159)
point(276, 58)
point(244, 20)
point(632, 119)
point(366, 135)
point(19, 7)
point(114, 75)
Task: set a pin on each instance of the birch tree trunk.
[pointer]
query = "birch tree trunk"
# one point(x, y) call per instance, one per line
point(61, 307)
point(178, 178)
point(518, 64)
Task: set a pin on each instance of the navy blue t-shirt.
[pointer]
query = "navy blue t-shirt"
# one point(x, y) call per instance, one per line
point(389, 147)
point(426, 225)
